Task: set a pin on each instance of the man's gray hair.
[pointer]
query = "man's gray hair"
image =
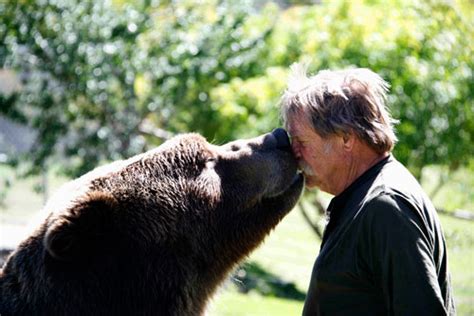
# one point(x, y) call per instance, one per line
point(341, 102)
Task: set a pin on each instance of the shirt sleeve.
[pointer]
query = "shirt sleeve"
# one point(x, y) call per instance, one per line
point(399, 256)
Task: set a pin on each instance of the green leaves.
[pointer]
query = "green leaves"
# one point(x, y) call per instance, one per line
point(93, 73)
point(73, 58)
point(104, 81)
point(423, 49)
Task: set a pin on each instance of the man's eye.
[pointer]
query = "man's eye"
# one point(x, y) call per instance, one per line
point(302, 143)
point(299, 143)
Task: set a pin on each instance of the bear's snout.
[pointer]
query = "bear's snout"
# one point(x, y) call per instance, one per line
point(282, 139)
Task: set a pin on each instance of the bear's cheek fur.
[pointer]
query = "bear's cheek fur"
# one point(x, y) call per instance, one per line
point(208, 187)
point(247, 178)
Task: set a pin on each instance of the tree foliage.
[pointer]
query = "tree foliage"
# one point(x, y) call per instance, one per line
point(422, 48)
point(194, 50)
point(95, 76)
point(99, 78)
point(77, 63)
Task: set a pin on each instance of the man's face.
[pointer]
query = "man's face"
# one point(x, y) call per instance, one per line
point(319, 158)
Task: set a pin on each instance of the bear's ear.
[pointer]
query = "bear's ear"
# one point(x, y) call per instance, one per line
point(83, 228)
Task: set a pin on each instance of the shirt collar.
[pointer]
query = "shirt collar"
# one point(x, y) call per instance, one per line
point(339, 200)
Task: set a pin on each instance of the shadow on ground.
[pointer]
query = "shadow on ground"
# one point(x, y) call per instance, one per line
point(252, 277)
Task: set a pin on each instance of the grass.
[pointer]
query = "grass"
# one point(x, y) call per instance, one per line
point(291, 249)
point(230, 303)
point(460, 239)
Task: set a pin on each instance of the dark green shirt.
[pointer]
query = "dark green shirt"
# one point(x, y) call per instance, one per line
point(383, 250)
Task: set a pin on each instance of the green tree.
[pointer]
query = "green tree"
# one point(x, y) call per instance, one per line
point(199, 49)
point(76, 60)
point(98, 79)
point(103, 78)
point(422, 48)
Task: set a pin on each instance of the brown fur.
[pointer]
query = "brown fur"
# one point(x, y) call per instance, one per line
point(155, 234)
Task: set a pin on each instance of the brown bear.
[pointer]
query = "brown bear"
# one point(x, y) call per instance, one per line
point(154, 234)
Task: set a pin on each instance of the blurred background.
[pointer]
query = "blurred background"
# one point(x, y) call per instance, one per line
point(86, 82)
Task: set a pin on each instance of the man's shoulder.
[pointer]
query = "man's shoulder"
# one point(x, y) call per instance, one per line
point(393, 218)
point(395, 182)
point(395, 176)
point(396, 198)
point(385, 206)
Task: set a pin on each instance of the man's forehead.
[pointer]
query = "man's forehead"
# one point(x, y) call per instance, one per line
point(298, 128)
point(299, 137)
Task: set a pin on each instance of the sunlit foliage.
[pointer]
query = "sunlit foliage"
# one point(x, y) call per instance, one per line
point(95, 74)
point(98, 78)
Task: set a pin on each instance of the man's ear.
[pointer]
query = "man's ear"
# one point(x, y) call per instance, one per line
point(348, 140)
point(83, 228)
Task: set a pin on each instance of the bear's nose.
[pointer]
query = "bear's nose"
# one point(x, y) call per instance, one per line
point(281, 136)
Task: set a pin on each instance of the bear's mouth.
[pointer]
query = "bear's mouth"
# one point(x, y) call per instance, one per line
point(286, 199)
point(294, 188)
point(297, 183)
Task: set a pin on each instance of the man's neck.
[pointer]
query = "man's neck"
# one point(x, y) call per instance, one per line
point(359, 161)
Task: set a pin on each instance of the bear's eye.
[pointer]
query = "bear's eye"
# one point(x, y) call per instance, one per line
point(211, 162)
point(235, 147)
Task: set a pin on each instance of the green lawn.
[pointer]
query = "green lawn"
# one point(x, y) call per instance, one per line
point(289, 251)
point(231, 303)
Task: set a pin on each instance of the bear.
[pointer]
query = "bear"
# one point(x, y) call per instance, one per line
point(155, 234)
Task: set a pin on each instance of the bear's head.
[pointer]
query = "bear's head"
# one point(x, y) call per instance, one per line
point(159, 231)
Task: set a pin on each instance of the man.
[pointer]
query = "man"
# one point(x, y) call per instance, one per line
point(383, 251)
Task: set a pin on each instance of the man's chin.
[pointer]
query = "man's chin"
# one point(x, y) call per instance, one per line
point(310, 181)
